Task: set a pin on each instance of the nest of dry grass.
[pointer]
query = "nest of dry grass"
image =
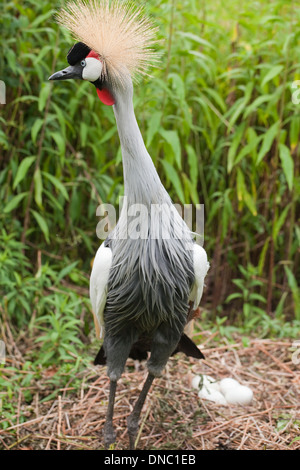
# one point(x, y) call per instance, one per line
point(173, 417)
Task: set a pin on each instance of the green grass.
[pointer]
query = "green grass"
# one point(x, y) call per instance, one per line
point(218, 113)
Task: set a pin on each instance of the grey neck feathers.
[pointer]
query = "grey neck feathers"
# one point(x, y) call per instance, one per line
point(142, 185)
point(141, 181)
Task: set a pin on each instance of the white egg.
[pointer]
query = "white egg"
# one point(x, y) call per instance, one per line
point(240, 395)
point(228, 384)
point(212, 395)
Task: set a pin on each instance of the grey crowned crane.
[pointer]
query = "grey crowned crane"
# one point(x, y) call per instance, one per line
point(143, 289)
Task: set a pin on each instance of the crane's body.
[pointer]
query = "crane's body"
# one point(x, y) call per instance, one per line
point(147, 278)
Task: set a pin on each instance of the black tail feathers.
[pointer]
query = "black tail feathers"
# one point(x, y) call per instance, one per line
point(140, 348)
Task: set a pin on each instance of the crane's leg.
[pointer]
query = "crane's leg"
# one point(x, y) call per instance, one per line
point(164, 342)
point(133, 418)
point(108, 431)
point(117, 349)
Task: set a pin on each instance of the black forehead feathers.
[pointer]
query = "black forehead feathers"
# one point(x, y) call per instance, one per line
point(77, 52)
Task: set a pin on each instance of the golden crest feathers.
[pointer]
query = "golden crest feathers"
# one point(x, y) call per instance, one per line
point(117, 31)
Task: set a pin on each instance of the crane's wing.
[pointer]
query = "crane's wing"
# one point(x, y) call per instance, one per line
point(98, 285)
point(201, 266)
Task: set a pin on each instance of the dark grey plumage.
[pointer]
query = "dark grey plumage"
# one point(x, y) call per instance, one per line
point(147, 284)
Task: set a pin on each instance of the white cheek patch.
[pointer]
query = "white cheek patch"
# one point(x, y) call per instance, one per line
point(92, 70)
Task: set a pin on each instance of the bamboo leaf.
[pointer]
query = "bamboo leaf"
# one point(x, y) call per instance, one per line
point(217, 98)
point(42, 224)
point(42, 18)
point(108, 135)
point(14, 202)
point(236, 295)
point(171, 137)
point(250, 203)
point(36, 129)
point(262, 256)
point(247, 150)
point(279, 307)
point(240, 185)
point(236, 139)
point(256, 104)
point(197, 39)
point(178, 85)
point(287, 163)
point(58, 184)
point(193, 164)
point(153, 126)
point(255, 296)
point(23, 169)
point(174, 178)
point(279, 222)
point(38, 187)
point(44, 93)
point(238, 108)
point(60, 142)
point(273, 72)
point(65, 271)
point(240, 105)
point(268, 141)
point(243, 194)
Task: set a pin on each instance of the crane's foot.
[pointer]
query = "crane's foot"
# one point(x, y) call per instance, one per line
point(109, 435)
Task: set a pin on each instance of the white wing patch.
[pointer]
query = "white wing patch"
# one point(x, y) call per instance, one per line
point(201, 266)
point(98, 285)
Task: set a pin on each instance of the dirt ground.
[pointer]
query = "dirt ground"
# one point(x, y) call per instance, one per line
point(173, 417)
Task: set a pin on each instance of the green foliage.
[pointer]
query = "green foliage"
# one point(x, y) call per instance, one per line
point(254, 315)
point(220, 124)
point(61, 330)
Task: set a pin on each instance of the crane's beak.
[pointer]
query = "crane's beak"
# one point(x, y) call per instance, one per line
point(73, 71)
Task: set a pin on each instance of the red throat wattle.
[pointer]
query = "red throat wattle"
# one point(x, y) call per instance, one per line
point(104, 95)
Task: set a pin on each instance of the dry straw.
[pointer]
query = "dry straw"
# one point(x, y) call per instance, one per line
point(173, 416)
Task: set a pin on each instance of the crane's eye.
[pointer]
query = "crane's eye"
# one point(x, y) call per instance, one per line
point(83, 63)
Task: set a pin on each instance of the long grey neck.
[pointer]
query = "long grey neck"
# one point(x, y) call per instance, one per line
point(141, 181)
